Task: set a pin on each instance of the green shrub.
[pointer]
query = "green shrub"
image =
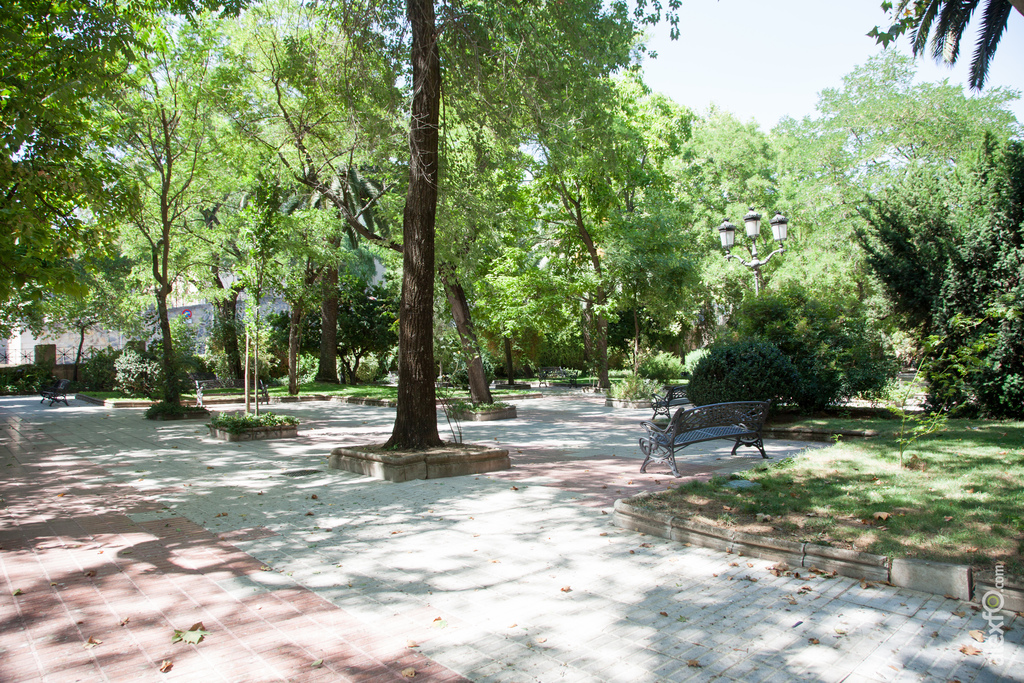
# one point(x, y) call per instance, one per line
point(165, 409)
point(239, 423)
point(25, 379)
point(751, 370)
point(99, 373)
point(691, 360)
point(137, 374)
point(663, 367)
point(833, 348)
point(634, 388)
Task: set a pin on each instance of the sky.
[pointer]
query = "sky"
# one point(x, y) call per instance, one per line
point(765, 59)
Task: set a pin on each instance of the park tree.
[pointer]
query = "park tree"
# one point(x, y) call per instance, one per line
point(945, 21)
point(947, 246)
point(164, 121)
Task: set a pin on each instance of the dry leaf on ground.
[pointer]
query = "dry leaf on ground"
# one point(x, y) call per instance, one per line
point(970, 650)
point(166, 666)
point(92, 642)
point(409, 673)
point(977, 635)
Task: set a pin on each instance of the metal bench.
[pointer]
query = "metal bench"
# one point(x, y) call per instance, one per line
point(740, 421)
point(675, 395)
point(58, 391)
point(209, 380)
point(548, 374)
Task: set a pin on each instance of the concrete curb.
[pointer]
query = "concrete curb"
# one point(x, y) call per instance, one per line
point(256, 433)
point(428, 464)
point(620, 403)
point(940, 578)
point(811, 434)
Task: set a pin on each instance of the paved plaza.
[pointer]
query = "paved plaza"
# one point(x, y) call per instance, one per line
point(115, 532)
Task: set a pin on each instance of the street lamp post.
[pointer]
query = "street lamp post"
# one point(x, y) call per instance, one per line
point(752, 221)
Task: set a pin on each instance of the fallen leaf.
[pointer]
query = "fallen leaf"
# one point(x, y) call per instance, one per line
point(840, 631)
point(124, 622)
point(313, 497)
point(409, 673)
point(792, 600)
point(512, 625)
point(61, 495)
point(566, 589)
point(17, 591)
point(91, 572)
point(603, 533)
point(734, 564)
point(813, 641)
point(91, 643)
point(959, 613)
point(977, 635)
point(542, 640)
point(949, 597)
point(969, 650)
point(309, 514)
point(750, 564)
point(411, 643)
point(194, 635)
point(439, 622)
point(664, 614)
point(265, 568)
point(515, 488)
point(645, 545)
point(166, 666)
point(881, 515)
point(317, 664)
point(693, 662)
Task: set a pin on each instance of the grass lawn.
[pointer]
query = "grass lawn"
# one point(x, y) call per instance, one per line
point(323, 388)
point(959, 497)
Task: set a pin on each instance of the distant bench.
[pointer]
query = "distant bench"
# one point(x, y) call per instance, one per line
point(740, 421)
point(548, 374)
point(675, 395)
point(209, 380)
point(58, 391)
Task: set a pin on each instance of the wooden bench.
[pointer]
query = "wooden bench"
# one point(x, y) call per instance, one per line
point(740, 421)
point(675, 395)
point(58, 391)
point(548, 374)
point(209, 380)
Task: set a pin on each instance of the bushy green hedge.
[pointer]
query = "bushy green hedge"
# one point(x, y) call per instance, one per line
point(99, 373)
point(751, 370)
point(834, 349)
point(634, 388)
point(690, 362)
point(238, 424)
point(25, 379)
point(662, 367)
point(137, 374)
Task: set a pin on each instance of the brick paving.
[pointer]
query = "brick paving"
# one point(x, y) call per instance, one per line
point(514, 576)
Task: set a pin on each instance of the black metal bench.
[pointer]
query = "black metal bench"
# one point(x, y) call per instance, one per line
point(740, 421)
point(548, 374)
point(209, 380)
point(58, 391)
point(675, 395)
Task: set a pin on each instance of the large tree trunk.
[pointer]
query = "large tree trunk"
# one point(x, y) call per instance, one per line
point(327, 370)
point(78, 356)
point(294, 324)
point(510, 370)
point(171, 393)
point(226, 311)
point(479, 392)
point(416, 421)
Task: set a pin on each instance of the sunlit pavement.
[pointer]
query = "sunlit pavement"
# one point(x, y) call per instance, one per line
point(123, 530)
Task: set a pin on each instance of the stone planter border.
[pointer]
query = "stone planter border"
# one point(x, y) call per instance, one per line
point(424, 465)
point(940, 578)
point(619, 403)
point(487, 415)
point(200, 414)
point(257, 433)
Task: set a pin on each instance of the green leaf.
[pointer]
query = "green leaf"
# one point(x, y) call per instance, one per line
point(193, 635)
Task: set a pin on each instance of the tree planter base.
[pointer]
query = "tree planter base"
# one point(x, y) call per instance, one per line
point(619, 403)
point(487, 415)
point(256, 433)
point(188, 415)
point(450, 460)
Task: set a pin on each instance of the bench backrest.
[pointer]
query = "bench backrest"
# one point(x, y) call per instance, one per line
point(748, 414)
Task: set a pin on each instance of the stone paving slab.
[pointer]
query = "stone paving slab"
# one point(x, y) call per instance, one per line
point(512, 576)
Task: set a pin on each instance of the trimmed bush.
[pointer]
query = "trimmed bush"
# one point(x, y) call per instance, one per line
point(634, 388)
point(663, 367)
point(238, 424)
point(137, 375)
point(691, 360)
point(751, 370)
point(25, 379)
point(99, 372)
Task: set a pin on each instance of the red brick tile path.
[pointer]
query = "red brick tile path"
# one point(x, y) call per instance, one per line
point(82, 569)
point(600, 480)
